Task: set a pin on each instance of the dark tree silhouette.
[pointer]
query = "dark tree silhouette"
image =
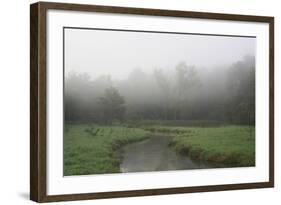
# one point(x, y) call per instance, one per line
point(112, 106)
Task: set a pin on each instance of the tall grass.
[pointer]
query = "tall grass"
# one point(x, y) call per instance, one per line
point(94, 149)
point(225, 146)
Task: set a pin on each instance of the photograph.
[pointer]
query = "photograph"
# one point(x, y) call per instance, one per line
point(147, 101)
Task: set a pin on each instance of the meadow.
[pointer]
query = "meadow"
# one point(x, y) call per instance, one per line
point(90, 149)
point(93, 149)
point(228, 146)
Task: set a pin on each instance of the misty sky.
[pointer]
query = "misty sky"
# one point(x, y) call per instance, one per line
point(117, 53)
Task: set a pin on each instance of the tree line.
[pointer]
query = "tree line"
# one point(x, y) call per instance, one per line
point(224, 93)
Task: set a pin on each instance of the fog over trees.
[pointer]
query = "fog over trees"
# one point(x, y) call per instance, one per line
point(184, 92)
point(119, 76)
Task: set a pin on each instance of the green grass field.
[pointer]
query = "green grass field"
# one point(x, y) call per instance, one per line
point(225, 146)
point(94, 149)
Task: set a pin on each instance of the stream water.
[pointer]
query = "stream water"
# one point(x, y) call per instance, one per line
point(154, 154)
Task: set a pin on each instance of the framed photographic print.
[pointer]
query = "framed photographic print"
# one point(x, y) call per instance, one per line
point(134, 102)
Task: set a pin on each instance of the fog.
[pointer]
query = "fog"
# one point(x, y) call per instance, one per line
point(117, 53)
point(121, 76)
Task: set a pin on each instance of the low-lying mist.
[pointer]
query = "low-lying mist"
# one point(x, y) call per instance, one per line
point(185, 92)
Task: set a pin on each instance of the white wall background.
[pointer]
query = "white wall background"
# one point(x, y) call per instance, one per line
point(14, 101)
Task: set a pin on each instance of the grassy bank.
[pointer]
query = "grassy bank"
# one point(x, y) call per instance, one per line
point(94, 149)
point(175, 123)
point(228, 146)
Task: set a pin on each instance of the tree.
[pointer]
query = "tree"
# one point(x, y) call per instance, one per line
point(163, 83)
point(241, 92)
point(78, 89)
point(186, 78)
point(112, 106)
